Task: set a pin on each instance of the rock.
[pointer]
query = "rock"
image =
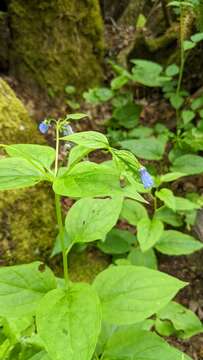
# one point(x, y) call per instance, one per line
point(56, 43)
point(4, 41)
point(27, 216)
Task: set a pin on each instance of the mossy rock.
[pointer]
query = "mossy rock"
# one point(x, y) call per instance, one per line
point(56, 43)
point(15, 123)
point(27, 216)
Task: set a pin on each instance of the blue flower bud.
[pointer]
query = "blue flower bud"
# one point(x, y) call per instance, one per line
point(67, 130)
point(146, 178)
point(43, 127)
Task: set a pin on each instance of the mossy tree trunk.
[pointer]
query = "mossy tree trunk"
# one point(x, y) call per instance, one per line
point(56, 43)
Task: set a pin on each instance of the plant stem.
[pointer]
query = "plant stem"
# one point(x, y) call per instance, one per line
point(182, 57)
point(57, 150)
point(61, 236)
point(59, 213)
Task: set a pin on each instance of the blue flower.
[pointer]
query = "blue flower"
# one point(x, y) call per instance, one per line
point(146, 178)
point(67, 130)
point(43, 127)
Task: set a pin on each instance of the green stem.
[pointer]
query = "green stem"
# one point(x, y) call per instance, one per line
point(182, 57)
point(59, 213)
point(61, 236)
point(57, 150)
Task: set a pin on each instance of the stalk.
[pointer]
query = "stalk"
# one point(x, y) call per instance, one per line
point(59, 214)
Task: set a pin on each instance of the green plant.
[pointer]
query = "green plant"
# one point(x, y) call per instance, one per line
point(43, 317)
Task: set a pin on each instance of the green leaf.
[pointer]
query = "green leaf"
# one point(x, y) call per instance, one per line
point(168, 216)
point(22, 287)
point(148, 73)
point(132, 211)
point(98, 95)
point(133, 344)
point(149, 232)
point(197, 103)
point(119, 81)
point(18, 173)
point(117, 242)
point(176, 243)
point(69, 322)
point(171, 176)
point(187, 116)
point(172, 70)
point(41, 154)
point(147, 259)
point(167, 197)
point(176, 101)
point(188, 164)
point(197, 37)
point(76, 154)
point(77, 116)
point(69, 89)
point(128, 115)
point(188, 45)
point(182, 204)
point(126, 160)
point(57, 246)
point(184, 320)
point(130, 294)
point(146, 148)
point(91, 219)
point(89, 139)
point(88, 179)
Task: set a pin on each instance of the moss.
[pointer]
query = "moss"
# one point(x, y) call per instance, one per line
point(86, 265)
point(26, 224)
point(27, 216)
point(56, 43)
point(15, 123)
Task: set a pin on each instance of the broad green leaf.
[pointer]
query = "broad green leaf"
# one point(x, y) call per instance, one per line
point(91, 219)
point(128, 115)
point(18, 173)
point(176, 101)
point(127, 160)
point(188, 45)
point(89, 139)
point(146, 148)
point(69, 322)
point(182, 204)
point(98, 95)
point(88, 179)
point(119, 81)
point(147, 259)
point(130, 294)
point(197, 103)
point(117, 242)
point(133, 344)
point(176, 243)
point(149, 232)
point(168, 216)
point(22, 287)
point(172, 70)
point(140, 132)
point(188, 164)
point(148, 73)
point(197, 37)
point(171, 176)
point(184, 320)
point(187, 116)
point(40, 355)
point(77, 153)
point(57, 246)
point(167, 197)
point(77, 116)
point(41, 154)
point(132, 211)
